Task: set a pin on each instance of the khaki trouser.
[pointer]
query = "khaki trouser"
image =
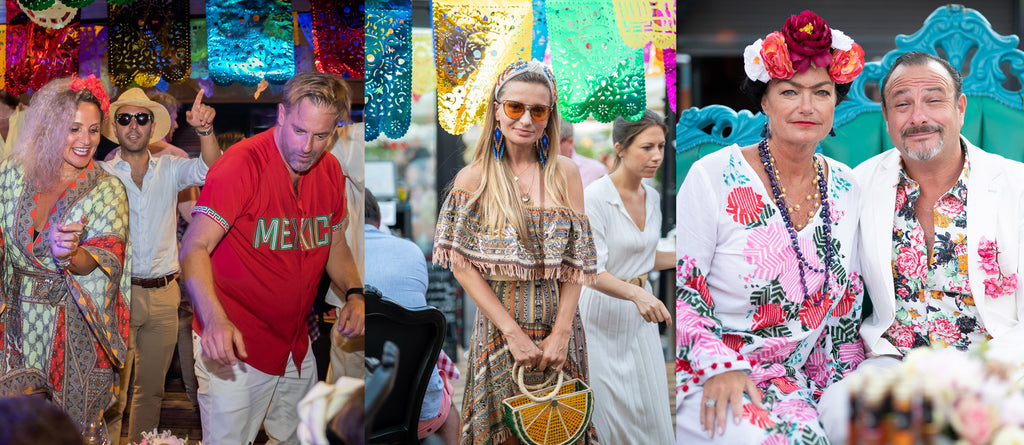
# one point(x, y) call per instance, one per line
point(152, 335)
point(346, 356)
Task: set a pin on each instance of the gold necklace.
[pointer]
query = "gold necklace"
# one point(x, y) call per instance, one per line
point(525, 196)
point(813, 198)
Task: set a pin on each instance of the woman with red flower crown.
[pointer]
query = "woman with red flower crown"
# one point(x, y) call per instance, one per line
point(769, 297)
point(64, 303)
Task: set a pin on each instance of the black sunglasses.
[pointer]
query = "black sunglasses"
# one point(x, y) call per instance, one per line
point(125, 119)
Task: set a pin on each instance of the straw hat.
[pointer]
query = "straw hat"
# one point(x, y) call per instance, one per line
point(137, 97)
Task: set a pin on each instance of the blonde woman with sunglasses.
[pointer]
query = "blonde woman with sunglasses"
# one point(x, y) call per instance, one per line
point(514, 233)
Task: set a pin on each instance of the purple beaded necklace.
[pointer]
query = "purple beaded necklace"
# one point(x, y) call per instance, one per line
point(768, 162)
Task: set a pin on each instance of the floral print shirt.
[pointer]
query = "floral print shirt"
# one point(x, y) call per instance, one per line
point(740, 305)
point(934, 305)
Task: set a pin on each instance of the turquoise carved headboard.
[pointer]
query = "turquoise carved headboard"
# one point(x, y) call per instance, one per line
point(995, 114)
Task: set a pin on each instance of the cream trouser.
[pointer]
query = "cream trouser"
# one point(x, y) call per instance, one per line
point(347, 356)
point(235, 400)
point(152, 335)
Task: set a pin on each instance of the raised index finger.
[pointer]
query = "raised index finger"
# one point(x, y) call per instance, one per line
point(199, 100)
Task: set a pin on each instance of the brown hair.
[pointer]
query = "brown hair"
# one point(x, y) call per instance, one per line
point(322, 89)
point(624, 132)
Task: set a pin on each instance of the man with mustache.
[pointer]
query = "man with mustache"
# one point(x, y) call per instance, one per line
point(152, 184)
point(940, 230)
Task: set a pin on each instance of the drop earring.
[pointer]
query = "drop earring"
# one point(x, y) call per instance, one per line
point(765, 131)
point(832, 132)
point(543, 151)
point(499, 145)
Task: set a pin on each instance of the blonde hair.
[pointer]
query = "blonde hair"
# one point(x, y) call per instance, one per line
point(497, 193)
point(322, 89)
point(51, 112)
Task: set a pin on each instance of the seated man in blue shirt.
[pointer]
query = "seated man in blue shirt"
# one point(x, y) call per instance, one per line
point(398, 268)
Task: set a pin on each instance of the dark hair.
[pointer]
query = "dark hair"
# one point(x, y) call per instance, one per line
point(9, 99)
point(31, 419)
point(916, 58)
point(371, 210)
point(754, 90)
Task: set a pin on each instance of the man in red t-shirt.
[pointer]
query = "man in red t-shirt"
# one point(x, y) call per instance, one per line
point(265, 227)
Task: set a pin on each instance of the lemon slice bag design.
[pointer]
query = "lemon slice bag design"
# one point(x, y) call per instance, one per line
point(560, 416)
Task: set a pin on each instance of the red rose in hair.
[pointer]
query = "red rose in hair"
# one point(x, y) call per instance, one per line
point(775, 56)
point(846, 65)
point(809, 39)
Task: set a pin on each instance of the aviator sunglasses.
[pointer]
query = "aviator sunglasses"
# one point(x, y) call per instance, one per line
point(125, 119)
point(515, 109)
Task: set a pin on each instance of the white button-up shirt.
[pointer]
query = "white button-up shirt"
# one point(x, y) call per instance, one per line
point(153, 219)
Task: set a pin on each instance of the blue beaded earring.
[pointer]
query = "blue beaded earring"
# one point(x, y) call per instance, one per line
point(499, 145)
point(543, 151)
point(765, 131)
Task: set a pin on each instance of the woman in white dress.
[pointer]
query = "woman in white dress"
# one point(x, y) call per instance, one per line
point(620, 315)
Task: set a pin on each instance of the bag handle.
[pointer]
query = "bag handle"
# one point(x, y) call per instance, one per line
point(518, 370)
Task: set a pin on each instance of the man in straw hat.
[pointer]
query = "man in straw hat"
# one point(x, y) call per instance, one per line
point(152, 184)
point(266, 226)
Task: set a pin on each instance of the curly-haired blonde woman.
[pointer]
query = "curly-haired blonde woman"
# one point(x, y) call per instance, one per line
point(64, 307)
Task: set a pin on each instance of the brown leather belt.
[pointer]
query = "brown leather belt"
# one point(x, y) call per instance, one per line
point(149, 283)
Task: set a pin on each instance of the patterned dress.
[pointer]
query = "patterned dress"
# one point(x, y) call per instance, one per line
point(526, 281)
point(61, 333)
point(740, 304)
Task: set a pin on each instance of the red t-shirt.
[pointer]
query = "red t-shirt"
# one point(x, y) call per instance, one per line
point(267, 266)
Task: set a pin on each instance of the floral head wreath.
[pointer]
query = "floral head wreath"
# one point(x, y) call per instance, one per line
point(805, 41)
point(521, 66)
point(96, 88)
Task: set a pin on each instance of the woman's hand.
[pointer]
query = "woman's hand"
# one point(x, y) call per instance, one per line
point(555, 348)
point(721, 391)
point(65, 238)
point(651, 308)
point(523, 350)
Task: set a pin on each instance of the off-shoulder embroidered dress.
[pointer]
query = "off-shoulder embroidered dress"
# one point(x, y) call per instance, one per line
point(525, 278)
point(740, 305)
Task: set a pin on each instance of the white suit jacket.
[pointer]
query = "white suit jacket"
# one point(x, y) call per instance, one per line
point(995, 206)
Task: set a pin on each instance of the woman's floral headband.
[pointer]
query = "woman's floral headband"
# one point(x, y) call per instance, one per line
point(805, 41)
point(96, 88)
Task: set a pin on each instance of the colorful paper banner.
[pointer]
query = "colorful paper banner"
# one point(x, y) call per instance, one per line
point(250, 40)
point(148, 40)
point(36, 54)
point(596, 73)
point(388, 87)
point(474, 40)
point(646, 21)
point(338, 36)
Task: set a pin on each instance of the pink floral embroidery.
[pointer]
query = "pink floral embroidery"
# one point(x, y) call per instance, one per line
point(744, 205)
point(760, 417)
point(768, 315)
point(770, 252)
point(999, 285)
point(795, 409)
point(852, 353)
point(811, 315)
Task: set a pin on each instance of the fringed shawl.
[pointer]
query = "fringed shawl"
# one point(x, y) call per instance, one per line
point(561, 246)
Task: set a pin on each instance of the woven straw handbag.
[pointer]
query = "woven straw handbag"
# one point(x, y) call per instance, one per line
point(560, 416)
